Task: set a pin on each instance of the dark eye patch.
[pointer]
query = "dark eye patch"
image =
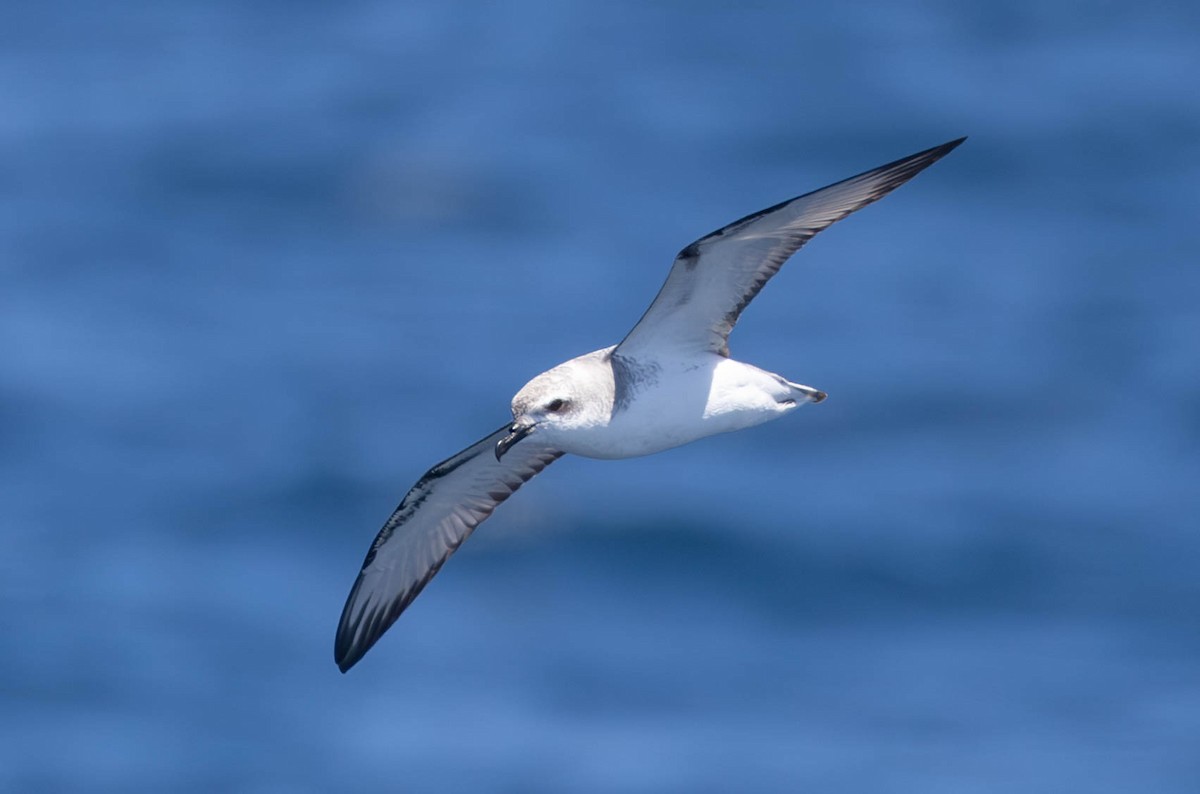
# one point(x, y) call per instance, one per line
point(556, 405)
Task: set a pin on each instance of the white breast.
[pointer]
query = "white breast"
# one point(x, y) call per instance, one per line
point(685, 403)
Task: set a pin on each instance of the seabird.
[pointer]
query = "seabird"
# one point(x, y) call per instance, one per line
point(669, 381)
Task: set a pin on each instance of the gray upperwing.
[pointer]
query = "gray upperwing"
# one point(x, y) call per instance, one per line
point(716, 277)
point(433, 520)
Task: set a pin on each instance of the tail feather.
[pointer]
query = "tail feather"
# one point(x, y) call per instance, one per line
point(810, 394)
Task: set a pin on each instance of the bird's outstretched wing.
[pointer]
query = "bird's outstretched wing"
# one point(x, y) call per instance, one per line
point(433, 520)
point(716, 277)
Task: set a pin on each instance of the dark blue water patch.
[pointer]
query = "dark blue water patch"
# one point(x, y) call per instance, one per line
point(267, 173)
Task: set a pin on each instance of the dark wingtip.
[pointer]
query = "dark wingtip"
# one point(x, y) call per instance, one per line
point(350, 649)
point(350, 644)
point(887, 178)
point(358, 635)
point(345, 653)
point(363, 622)
point(930, 155)
point(950, 146)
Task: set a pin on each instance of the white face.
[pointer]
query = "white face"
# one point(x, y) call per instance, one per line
point(572, 396)
point(546, 401)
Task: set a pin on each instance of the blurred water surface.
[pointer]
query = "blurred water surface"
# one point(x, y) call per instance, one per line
point(261, 264)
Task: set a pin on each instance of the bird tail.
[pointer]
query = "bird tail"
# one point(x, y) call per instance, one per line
point(808, 392)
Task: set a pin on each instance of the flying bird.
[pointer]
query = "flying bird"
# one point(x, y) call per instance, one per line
point(668, 382)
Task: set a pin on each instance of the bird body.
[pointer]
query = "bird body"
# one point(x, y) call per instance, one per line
point(679, 400)
point(670, 381)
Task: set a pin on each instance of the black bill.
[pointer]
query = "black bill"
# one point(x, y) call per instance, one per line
point(515, 433)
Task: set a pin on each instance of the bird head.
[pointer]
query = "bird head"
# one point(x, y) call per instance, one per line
point(567, 398)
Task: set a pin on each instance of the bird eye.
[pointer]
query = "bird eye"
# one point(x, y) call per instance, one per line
point(556, 405)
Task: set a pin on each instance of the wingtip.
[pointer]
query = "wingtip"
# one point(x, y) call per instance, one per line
point(891, 176)
point(347, 653)
point(947, 147)
point(938, 152)
point(344, 656)
point(352, 642)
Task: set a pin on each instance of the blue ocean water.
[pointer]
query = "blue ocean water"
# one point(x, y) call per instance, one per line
point(261, 264)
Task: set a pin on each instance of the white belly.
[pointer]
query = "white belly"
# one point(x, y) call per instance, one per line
point(718, 395)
